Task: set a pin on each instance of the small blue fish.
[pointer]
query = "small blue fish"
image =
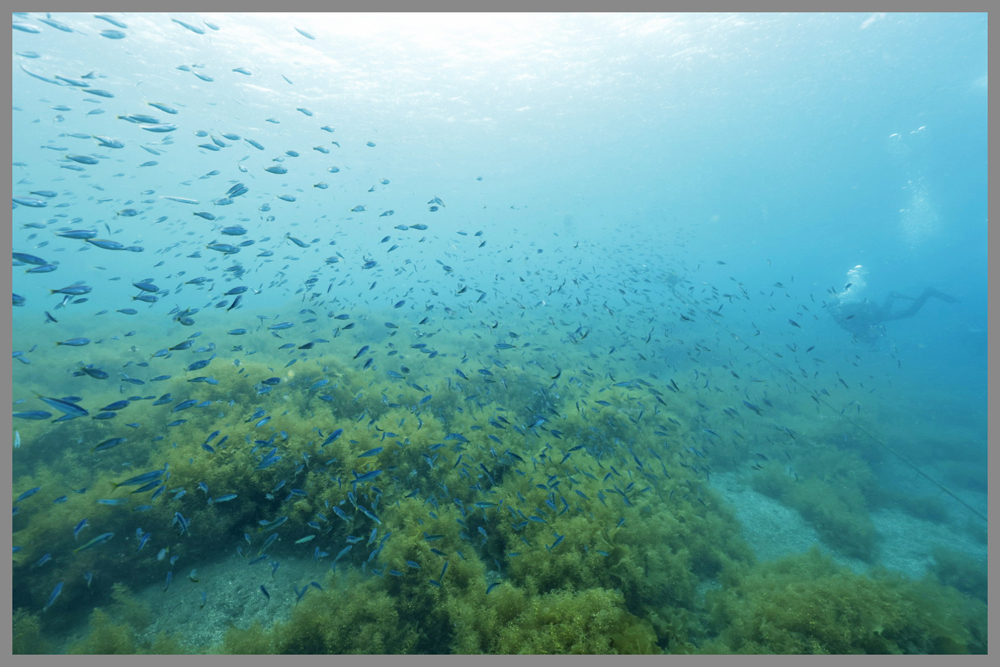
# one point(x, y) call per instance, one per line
point(27, 494)
point(367, 477)
point(100, 539)
point(74, 342)
point(55, 594)
point(369, 514)
point(66, 407)
point(33, 415)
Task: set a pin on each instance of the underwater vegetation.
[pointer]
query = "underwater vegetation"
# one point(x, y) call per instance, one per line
point(539, 520)
point(579, 622)
point(523, 542)
point(961, 571)
point(833, 494)
point(808, 604)
point(115, 630)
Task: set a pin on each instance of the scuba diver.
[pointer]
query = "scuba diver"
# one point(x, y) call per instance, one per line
point(865, 319)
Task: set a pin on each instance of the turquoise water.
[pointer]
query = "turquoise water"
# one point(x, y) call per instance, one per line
point(492, 312)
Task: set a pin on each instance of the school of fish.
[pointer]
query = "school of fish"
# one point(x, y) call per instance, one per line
point(344, 362)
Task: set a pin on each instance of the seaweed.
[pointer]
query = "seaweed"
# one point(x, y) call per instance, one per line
point(961, 571)
point(592, 621)
point(541, 539)
point(359, 618)
point(808, 604)
point(121, 630)
point(834, 504)
point(27, 637)
point(106, 637)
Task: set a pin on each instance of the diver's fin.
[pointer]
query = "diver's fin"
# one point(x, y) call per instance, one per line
point(941, 295)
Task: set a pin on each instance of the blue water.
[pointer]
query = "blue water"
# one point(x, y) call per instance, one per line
point(648, 197)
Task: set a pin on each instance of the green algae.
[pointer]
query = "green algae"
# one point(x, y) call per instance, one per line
point(358, 619)
point(365, 618)
point(119, 629)
point(108, 636)
point(960, 571)
point(808, 604)
point(641, 529)
point(838, 511)
point(26, 636)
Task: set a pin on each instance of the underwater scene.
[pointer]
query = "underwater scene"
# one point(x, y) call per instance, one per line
point(499, 333)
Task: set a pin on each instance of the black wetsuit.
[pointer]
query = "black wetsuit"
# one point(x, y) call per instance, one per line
point(864, 319)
